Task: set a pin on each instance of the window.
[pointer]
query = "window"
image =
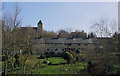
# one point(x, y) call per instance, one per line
point(86, 44)
point(48, 49)
point(55, 43)
point(65, 44)
point(56, 49)
point(52, 52)
point(69, 44)
point(59, 53)
point(46, 53)
point(48, 44)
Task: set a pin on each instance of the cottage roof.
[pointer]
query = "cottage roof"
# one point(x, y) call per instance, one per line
point(64, 40)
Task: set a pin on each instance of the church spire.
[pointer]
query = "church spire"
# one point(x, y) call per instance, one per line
point(40, 22)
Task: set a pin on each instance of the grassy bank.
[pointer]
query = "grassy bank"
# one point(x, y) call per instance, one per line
point(58, 66)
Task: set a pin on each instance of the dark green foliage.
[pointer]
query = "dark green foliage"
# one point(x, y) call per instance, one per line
point(74, 54)
point(117, 54)
point(91, 35)
point(25, 52)
point(46, 62)
point(78, 51)
point(49, 63)
point(77, 59)
point(68, 56)
point(38, 65)
point(4, 57)
point(42, 57)
point(89, 67)
point(49, 34)
point(17, 62)
point(9, 63)
point(63, 34)
point(116, 37)
point(78, 34)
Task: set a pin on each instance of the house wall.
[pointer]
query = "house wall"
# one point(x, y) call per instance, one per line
point(60, 48)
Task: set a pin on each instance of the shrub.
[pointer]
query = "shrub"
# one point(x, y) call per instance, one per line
point(42, 57)
point(68, 56)
point(47, 56)
point(74, 54)
point(29, 64)
point(77, 59)
point(49, 63)
point(46, 62)
point(38, 64)
point(4, 57)
point(25, 52)
point(17, 56)
point(78, 51)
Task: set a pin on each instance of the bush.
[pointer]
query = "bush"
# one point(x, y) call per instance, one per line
point(42, 57)
point(38, 64)
point(77, 59)
point(49, 63)
point(78, 51)
point(74, 54)
point(68, 56)
point(17, 62)
point(46, 62)
point(25, 52)
point(4, 57)
point(30, 64)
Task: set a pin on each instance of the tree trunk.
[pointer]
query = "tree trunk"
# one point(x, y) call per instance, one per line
point(13, 61)
point(24, 68)
point(6, 64)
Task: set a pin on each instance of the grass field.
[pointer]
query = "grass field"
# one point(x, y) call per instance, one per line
point(58, 66)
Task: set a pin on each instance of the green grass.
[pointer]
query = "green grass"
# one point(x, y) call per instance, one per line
point(56, 68)
point(61, 69)
point(56, 60)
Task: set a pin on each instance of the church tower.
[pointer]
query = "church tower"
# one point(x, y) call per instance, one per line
point(40, 29)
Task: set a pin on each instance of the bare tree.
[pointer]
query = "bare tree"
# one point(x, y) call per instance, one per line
point(103, 27)
point(63, 34)
point(91, 35)
point(9, 30)
point(49, 34)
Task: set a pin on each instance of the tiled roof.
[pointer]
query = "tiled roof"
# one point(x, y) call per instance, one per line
point(64, 40)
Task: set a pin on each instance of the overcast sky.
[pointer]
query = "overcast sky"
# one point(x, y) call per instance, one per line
point(64, 15)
